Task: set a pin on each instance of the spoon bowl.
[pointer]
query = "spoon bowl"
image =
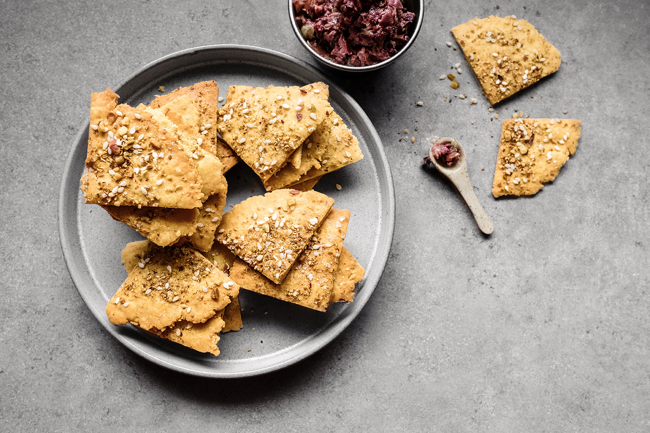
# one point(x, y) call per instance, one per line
point(459, 176)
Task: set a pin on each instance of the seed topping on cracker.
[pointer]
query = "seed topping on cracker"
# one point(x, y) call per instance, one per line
point(532, 152)
point(269, 232)
point(506, 54)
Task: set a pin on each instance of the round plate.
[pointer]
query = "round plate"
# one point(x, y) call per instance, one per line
point(275, 333)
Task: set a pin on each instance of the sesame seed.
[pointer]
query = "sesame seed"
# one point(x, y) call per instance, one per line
point(144, 190)
point(132, 131)
point(147, 292)
point(220, 99)
point(313, 221)
point(141, 264)
point(126, 304)
point(205, 289)
point(175, 299)
point(117, 301)
point(442, 77)
point(475, 23)
point(94, 127)
point(169, 269)
point(241, 140)
point(111, 172)
point(119, 113)
point(549, 156)
point(449, 44)
point(313, 116)
point(188, 309)
point(495, 54)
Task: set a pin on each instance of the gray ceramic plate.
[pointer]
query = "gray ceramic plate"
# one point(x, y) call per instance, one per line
point(275, 334)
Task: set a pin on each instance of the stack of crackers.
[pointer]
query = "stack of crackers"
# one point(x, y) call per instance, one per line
point(155, 168)
point(507, 55)
point(160, 170)
point(289, 136)
point(289, 245)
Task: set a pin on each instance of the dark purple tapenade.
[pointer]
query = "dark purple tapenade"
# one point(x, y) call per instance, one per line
point(445, 153)
point(354, 32)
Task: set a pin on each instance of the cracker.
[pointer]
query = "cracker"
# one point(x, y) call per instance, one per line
point(232, 316)
point(532, 153)
point(166, 227)
point(331, 147)
point(155, 298)
point(311, 280)
point(202, 337)
point(255, 118)
point(208, 166)
point(163, 227)
point(506, 54)
point(348, 274)
point(227, 156)
point(209, 219)
point(307, 184)
point(134, 253)
point(221, 258)
point(194, 110)
point(130, 174)
point(269, 232)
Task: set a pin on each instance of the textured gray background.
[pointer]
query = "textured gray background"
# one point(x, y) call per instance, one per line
point(544, 326)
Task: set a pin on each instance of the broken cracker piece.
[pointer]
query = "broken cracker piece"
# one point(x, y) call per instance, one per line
point(532, 153)
point(331, 147)
point(227, 156)
point(307, 184)
point(221, 258)
point(194, 110)
point(505, 54)
point(349, 273)
point(269, 232)
point(264, 126)
point(311, 280)
point(133, 161)
point(170, 285)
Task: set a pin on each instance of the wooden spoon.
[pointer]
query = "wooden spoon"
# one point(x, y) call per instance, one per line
point(459, 176)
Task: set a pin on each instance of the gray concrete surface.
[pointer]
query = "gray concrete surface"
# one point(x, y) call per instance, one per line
point(544, 326)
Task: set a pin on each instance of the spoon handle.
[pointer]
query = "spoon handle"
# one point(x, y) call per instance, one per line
point(461, 180)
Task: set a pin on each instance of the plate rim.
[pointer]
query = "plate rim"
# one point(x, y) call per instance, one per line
point(67, 231)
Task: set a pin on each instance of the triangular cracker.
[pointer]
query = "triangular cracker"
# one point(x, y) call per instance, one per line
point(331, 147)
point(133, 161)
point(169, 285)
point(349, 273)
point(532, 153)
point(311, 279)
point(269, 232)
point(198, 119)
point(506, 54)
point(264, 126)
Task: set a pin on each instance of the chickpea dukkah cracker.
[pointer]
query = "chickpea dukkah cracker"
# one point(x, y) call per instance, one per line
point(264, 126)
point(349, 273)
point(221, 258)
point(186, 113)
point(505, 54)
point(532, 152)
point(331, 146)
point(269, 232)
point(311, 279)
point(174, 292)
point(134, 161)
